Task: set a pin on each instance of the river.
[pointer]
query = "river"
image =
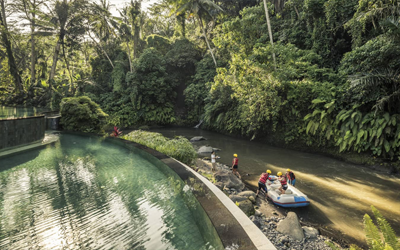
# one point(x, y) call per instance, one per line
point(341, 193)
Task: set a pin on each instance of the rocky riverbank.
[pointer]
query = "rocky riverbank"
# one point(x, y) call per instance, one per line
point(283, 230)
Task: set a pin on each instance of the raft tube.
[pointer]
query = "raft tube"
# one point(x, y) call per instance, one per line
point(292, 197)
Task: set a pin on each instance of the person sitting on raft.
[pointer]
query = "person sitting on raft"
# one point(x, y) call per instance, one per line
point(261, 182)
point(283, 181)
point(290, 177)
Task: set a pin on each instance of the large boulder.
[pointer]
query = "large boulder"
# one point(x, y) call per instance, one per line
point(205, 150)
point(291, 226)
point(237, 198)
point(247, 194)
point(229, 179)
point(247, 207)
point(198, 138)
point(310, 232)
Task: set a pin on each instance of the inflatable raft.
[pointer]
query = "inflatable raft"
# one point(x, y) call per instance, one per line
point(292, 197)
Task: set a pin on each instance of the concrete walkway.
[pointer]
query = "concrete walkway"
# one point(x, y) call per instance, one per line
point(254, 233)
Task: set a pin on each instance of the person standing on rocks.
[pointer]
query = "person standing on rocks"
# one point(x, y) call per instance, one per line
point(214, 160)
point(261, 183)
point(235, 165)
point(283, 181)
point(290, 177)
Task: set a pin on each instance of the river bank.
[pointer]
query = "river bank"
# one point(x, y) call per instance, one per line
point(341, 193)
point(265, 215)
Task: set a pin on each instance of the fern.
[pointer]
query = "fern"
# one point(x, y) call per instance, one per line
point(387, 231)
point(374, 235)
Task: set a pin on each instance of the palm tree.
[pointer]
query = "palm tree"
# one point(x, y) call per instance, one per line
point(269, 31)
point(30, 8)
point(64, 19)
point(5, 39)
point(103, 25)
point(202, 9)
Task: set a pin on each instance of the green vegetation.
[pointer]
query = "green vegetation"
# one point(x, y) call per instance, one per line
point(317, 73)
point(381, 237)
point(82, 114)
point(179, 148)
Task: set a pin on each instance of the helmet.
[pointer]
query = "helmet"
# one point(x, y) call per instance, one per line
point(288, 169)
point(234, 155)
point(279, 174)
point(268, 171)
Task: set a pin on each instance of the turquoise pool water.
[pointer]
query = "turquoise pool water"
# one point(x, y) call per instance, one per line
point(14, 112)
point(87, 193)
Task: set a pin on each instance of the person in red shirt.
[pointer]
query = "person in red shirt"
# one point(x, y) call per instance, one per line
point(283, 181)
point(235, 165)
point(261, 182)
point(290, 177)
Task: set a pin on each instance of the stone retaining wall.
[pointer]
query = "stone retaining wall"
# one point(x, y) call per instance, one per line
point(19, 131)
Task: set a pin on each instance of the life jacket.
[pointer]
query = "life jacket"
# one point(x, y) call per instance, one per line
point(235, 161)
point(283, 181)
point(264, 178)
point(291, 176)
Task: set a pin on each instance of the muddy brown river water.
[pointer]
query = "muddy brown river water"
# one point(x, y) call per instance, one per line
point(341, 193)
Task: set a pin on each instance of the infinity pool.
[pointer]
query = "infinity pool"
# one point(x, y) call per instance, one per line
point(87, 193)
point(14, 112)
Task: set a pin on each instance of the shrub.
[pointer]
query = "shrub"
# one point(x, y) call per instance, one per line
point(179, 148)
point(81, 114)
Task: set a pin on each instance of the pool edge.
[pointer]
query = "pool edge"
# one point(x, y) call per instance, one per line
point(253, 238)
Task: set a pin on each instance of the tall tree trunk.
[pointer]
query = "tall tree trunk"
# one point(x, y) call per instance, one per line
point(7, 44)
point(55, 59)
point(136, 41)
point(129, 57)
point(33, 51)
point(101, 48)
point(208, 44)
point(270, 31)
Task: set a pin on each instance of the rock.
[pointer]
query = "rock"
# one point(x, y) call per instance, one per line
point(229, 179)
point(258, 213)
point(247, 194)
point(283, 239)
point(251, 198)
point(219, 185)
point(216, 149)
point(205, 150)
point(291, 226)
point(237, 198)
point(247, 207)
point(198, 138)
point(310, 232)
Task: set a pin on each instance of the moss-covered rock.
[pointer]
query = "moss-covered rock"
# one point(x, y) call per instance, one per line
point(82, 114)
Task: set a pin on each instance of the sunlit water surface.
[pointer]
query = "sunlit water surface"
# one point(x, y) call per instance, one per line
point(84, 193)
point(341, 193)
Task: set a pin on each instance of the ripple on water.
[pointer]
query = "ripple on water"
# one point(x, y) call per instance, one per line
point(84, 193)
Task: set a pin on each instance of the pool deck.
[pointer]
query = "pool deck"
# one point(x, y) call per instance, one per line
point(234, 228)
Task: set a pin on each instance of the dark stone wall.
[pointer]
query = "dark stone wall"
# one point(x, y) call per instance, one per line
point(18, 131)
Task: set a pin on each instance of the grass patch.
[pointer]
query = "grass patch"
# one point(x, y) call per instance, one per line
point(179, 148)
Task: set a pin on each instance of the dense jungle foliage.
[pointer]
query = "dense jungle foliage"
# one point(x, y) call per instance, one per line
point(81, 114)
point(324, 73)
